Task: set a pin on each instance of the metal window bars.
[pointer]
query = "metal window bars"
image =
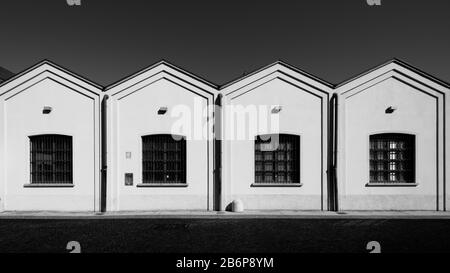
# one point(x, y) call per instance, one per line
point(392, 158)
point(163, 159)
point(277, 159)
point(51, 159)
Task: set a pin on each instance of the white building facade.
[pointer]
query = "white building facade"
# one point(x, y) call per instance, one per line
point(149, 168)
point(49, 141)
point(292, 173)
point(276, 139)
point(392, 140)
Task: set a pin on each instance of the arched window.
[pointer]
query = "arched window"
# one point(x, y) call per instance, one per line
point(51, 159)
point(392, 158)
point(163, 159)
point(277, 159)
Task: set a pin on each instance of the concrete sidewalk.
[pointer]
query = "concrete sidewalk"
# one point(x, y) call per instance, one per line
point(275, 214)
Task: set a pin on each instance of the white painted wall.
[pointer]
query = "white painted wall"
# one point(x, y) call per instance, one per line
point(304, 113)
point(133, 114)
point(75, 113)
point(362, 113)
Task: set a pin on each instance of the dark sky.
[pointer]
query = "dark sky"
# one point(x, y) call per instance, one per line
point(105, 40)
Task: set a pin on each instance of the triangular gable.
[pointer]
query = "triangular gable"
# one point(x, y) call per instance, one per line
point(394, 68)
point(46, 69)
point(162, 69)
point(281, 70)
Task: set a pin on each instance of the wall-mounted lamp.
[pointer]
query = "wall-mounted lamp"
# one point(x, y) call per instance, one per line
point(47, 110)
point(162, 110)
point(276, 109)
point(390, 109)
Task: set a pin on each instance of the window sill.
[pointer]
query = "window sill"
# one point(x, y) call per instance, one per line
point(162, 185)
point(276, 185)
point(392, 184)
point(48, 185)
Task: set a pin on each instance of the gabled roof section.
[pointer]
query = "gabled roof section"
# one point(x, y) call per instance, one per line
point(395, 64)
point(278, 71)
point(163, 64)
point(55, 66)
point(400, 64)
point(282, 64)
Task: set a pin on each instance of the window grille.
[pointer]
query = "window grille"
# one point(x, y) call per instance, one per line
point(51, 159)
point(163, 159)
point(392, 158)
point(277, 159)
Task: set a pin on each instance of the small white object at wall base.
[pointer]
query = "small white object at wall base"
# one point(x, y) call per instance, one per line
point(237, 206)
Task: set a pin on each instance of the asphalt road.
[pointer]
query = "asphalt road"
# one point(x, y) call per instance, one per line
point(224, 235)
